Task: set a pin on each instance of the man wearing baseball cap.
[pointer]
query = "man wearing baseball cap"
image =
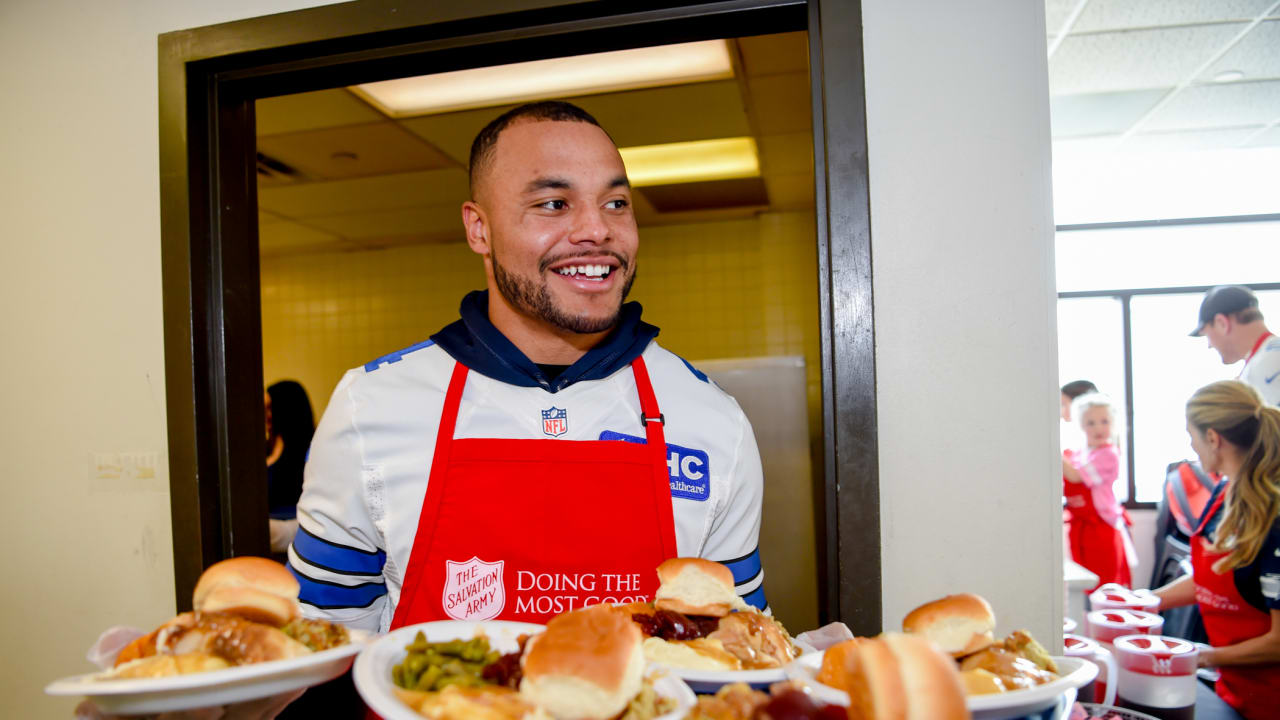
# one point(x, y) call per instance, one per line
point(1230, 319)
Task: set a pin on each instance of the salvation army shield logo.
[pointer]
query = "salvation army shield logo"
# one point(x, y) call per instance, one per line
point(473, 590)
point(555, 422)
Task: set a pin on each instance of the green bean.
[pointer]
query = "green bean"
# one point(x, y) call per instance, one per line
point(429, 666)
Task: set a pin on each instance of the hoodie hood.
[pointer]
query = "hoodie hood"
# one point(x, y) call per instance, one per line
point(476, 343)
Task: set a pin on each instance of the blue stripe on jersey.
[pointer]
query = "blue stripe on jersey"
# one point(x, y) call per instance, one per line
point(696, 372)
point(755, 598)
point(337, 558)
point(745, 567)
point(396, 356)
point(330, 596)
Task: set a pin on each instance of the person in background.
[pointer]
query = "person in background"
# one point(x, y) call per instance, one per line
point(290, 426)
point(1236, 549)
point(1070, 392)
point(1097, 525)
point(1231, 322)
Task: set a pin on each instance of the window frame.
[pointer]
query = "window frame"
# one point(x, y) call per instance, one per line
point(1125, 295)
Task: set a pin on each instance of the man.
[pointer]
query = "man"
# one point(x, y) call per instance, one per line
point(1068, 394)
point(543, 452)
point(1230, 319)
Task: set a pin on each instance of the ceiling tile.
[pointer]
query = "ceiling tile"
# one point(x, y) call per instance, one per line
point(266, 218)
point(1100, 113)
point(313, 110)
point(288, 234)
point(773, 54)
point(437, 188)
point(364, 226)
point(1189, 140)
point(1257, 54)
point(1134, 60)
point(1269, 137)
point(786, 154)
point(1127, 14)
point(683, 197)
point(781, 103)
point(653, 116)
point(353, 151)
point(1229, 104)
point(1056, 13)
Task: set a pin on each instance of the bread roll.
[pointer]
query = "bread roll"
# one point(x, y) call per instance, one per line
point(895, 677)
point(254, 588)
point(694, 586)
point(587, 664)
point(958, 624)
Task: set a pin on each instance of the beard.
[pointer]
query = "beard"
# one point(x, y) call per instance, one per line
point(534, 299)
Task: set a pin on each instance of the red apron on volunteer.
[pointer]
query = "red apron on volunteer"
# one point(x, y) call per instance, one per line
point(1229, 619)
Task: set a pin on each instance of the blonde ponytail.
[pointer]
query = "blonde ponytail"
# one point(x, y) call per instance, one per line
point(1236, 412)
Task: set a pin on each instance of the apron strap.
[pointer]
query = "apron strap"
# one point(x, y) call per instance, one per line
point(435, 489)
point(1209, 512)
point(652, 419)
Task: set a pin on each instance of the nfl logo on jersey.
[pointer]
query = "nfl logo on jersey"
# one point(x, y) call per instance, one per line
point(555, 422)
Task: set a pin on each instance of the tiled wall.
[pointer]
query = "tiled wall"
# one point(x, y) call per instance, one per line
point(740, 288)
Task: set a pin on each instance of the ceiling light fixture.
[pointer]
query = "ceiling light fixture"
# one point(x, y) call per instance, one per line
point(1227, 76)
point(686, 162)
point(556, 77)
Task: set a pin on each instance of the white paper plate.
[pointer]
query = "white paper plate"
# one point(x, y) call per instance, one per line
point(709, 681)
point(211, 689)
point(1073, 673)
point(372, 673)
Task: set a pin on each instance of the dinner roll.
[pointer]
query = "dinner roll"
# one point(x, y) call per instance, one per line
point(587, 664)
point(253, 588)
point(694, 586)
point(958, 624)
point(895, 677)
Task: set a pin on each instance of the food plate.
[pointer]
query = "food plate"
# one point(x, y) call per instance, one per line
point(709, 681)
point(136, 696)
point(372, 673)
point(1073, 673)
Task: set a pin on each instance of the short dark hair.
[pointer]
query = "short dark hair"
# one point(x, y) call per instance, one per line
point(1076, 388)
point(544, 111)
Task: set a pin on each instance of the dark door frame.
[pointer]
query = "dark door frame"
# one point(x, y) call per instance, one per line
point(209, 79)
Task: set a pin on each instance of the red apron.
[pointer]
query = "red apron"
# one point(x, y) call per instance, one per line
point(1095, 544)
point(1253, 690)
point(527, 529)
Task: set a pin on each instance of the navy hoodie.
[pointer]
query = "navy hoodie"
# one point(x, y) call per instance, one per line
point(476, 343)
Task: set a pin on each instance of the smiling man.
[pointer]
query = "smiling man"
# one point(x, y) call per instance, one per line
point(1232, 324)
point(541, 453)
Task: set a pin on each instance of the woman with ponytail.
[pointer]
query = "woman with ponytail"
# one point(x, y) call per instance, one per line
point(1236, 550)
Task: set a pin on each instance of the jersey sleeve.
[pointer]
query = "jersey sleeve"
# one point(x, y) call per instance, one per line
point(338, 554)
point(1101, 469)
point(735, 529)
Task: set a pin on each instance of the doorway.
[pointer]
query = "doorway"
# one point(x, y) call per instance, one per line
point(211, 79)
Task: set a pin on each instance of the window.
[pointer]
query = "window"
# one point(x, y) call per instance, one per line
point(1128, 297)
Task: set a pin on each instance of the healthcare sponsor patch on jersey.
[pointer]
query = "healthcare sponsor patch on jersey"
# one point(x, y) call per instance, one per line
point(555, 422)
point(473, 589)
point(690, 469)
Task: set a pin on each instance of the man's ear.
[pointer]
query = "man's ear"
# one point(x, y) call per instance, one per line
point(1222, 322)
point(477, 227)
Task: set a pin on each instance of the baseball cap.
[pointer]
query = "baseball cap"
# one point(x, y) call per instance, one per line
point(1224, 300)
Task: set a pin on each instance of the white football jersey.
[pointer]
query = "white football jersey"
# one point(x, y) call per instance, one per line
point(1262, 371)
point(371, 459)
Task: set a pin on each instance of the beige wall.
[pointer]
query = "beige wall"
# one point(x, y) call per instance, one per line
point(82, 372)
point(966, 352)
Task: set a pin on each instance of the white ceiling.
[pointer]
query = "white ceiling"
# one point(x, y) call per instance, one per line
point(1145, 74)
point(365, 181)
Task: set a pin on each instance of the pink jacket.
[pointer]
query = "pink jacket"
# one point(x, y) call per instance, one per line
point(1099, 469)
